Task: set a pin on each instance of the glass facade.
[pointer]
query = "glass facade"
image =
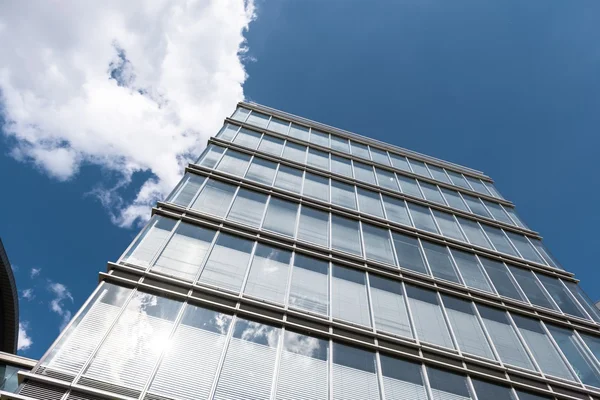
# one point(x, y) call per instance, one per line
point(296, 261)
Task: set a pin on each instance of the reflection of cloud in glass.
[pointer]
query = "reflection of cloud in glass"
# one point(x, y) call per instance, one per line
point(221, 321)
point(257, 333)
point(304, 345)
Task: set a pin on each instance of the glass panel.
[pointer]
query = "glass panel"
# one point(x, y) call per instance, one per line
point(473, 232)
point(505, 339)
point(226, 265)
point(525, 248)
point(431, 192)
point(289, 178)
point(353, 374)
point(470, 270)
point(211, 156)
point(299, 132)
point(248, 207)
point(439, 261)
point(428, 317)
point(448, 225)
point(497, 212)
point(514, 217)
point(402, 379)
point(422, 217)
point(9, 380)
point(499, 240)
point(593, 343)
point(584, 300)
point(380, 156)
point(364, 172)
point(466, 327)
point(309, 290)
point(281, 216)
point(303, 368)
point(234, 163)
point(389, 307)
point(183, 255)
point(530, 396)
point(409, 253)
point(492, 189)
point(294, 152)
point(409, 186)
point(258, 119)
point(574, 351)
point(279, 125)
point(396, 210)
point(201, 331)
point(340, 144)
point(261, 171)
point(342, 194)
point(487, 390)
point(369, 202)
point(360, 150)
point(400, 162)
point(214, 198)
point(544, 253)
point(387, 179)
point(349, 297)
point(341, 165)
point(247, 138)
point(447, 385)
point(345, 235)
point(476, 206)
point(314, 226)
point(249, 364)
point(316, 186)
point(541, 347)
point(454, 200)
point(419, 168)
point(241, 114)
point(319, 138)
point(271, 145)
point(187, 189)
point(438, 173)
point(318, 159)
point(458, 179)
point(150, 241)
point(477, 185)
point(531, 287)
point(269, 272)
point(501, 278)
point(378, 245)
point(560, 295)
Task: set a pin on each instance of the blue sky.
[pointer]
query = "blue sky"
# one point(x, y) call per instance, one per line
point(511, 88)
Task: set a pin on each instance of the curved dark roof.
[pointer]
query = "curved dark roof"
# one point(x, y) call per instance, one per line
point(9, 307)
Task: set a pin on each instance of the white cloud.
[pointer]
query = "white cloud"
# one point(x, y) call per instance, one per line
point(34, 272)
point(28, 294)
point(57, 304)
point(25, 341)
point(127, 85)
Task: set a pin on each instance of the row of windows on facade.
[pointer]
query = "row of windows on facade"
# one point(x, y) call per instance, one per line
point(135, 340)
point(367, 152)
point(363, 172)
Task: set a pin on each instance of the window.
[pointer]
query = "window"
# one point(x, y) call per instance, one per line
point(345, 235)
point(228, 132)
point(530, 396)
point(146, 246)
point(316, 186)
point(319, 138)
point(422, 217)
point(226, 265)
point(409, 186)
point(541, 347)
point(505, 339)
point(268, 273)
point(439, 261)
point(380, 156)
point(584, 300)
point(360, 150)
point(498, 212)
point(342, 194)
point(492, 189)
point(294, 152)
point(378, 246)
point(271, 145)
point(369, 202)
point(353, 374)
point(349, 296)
point(454, 200)
point(544, 253)
point(210, 156)
point(431, 192)
point(476, 206)
point(514, 217)
point(409, 253)
point(281, 216)
point(400, 162)
point(419, 168)
point(470, 270)
point(593, 343)
point(473, 232)
point(448, 225)
point(525, 248)
point(499, 240)
point(438, 173)
point(248, 208)
point(389, 306)
point(466, 327)
point(341, 165)
point(396, 210)
point(428, 317)
point(234, 163)
point(240, 114)
point(314, 226)
point(309, 290)
point(299, 132)
point(247, 371)
point(183, 255)
point(458, 179)
point(279, 126)
point(487, 390)
point(387, 179)
point(187, 189)
point(261, 171)
point(258, 119)
point(561, 296)
point(447, 385)
point(501, 278)
point(478, 186)
point(214, 198)
point(402, 379)
point(531, 287)
point(339, 144)
point(318, 159)
point(247, 138)
point(289, 179)
point(364, 172)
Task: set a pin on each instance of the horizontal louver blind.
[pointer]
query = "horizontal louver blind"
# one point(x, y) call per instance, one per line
point(302, 377)
point(400, 390)
point(354, 384)
point(441, 395)
point(41, 391)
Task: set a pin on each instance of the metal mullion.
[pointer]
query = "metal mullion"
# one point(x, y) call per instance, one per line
point(352, 168)
point(446, 203)
point(370, 300)
point(463, 200)
point(513, 245)
point(264, 213)
point(487, 238)
point(279, 350)
point(429, 171)
point(288, 287)
point(491, 216)
point(455, 266)
point(330, 294)
point(460, 229)
point(424, 258)
point(453, 336)
point(510, 216)
point(163, 246)
point(538, 253)
point(560, 352)
point(369, 152)
point(209, 251)
point(248, 267)
point(574, 298)
point(485, 274)
point(426, 383)
point(411, 321)
point(468, 183)
point(235, 193)
point(419, 188)
point(362, 241)
point(590, 354)
point(200, 189)
point(487, 335)
point(221, 362)
point(379, 375)
point(398, 184)
point(237, 132)
point(330, 231)
point(471, 387)
point(248, 166)
point(435, 222)
point(330, 367)
point(523, 342)
point(547, 293)
point(218, 161)
point(394, 254)
point(410, 218)
point(297, 221)
point(516, 283)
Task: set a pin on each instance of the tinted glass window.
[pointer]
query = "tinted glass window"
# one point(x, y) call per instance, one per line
point(289, 179)
point(309, 289)
point(389, 307)
point(314, 226)
point(226, 265)
point(248, 208)
point(345, 235)
point(408, 252)
point(428, 317)
point(439, 261)
point(343, 194)
point(281, 216)
point(349, 296)
point(268, 273)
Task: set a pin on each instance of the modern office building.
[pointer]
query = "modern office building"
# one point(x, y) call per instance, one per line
point(299, 261)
